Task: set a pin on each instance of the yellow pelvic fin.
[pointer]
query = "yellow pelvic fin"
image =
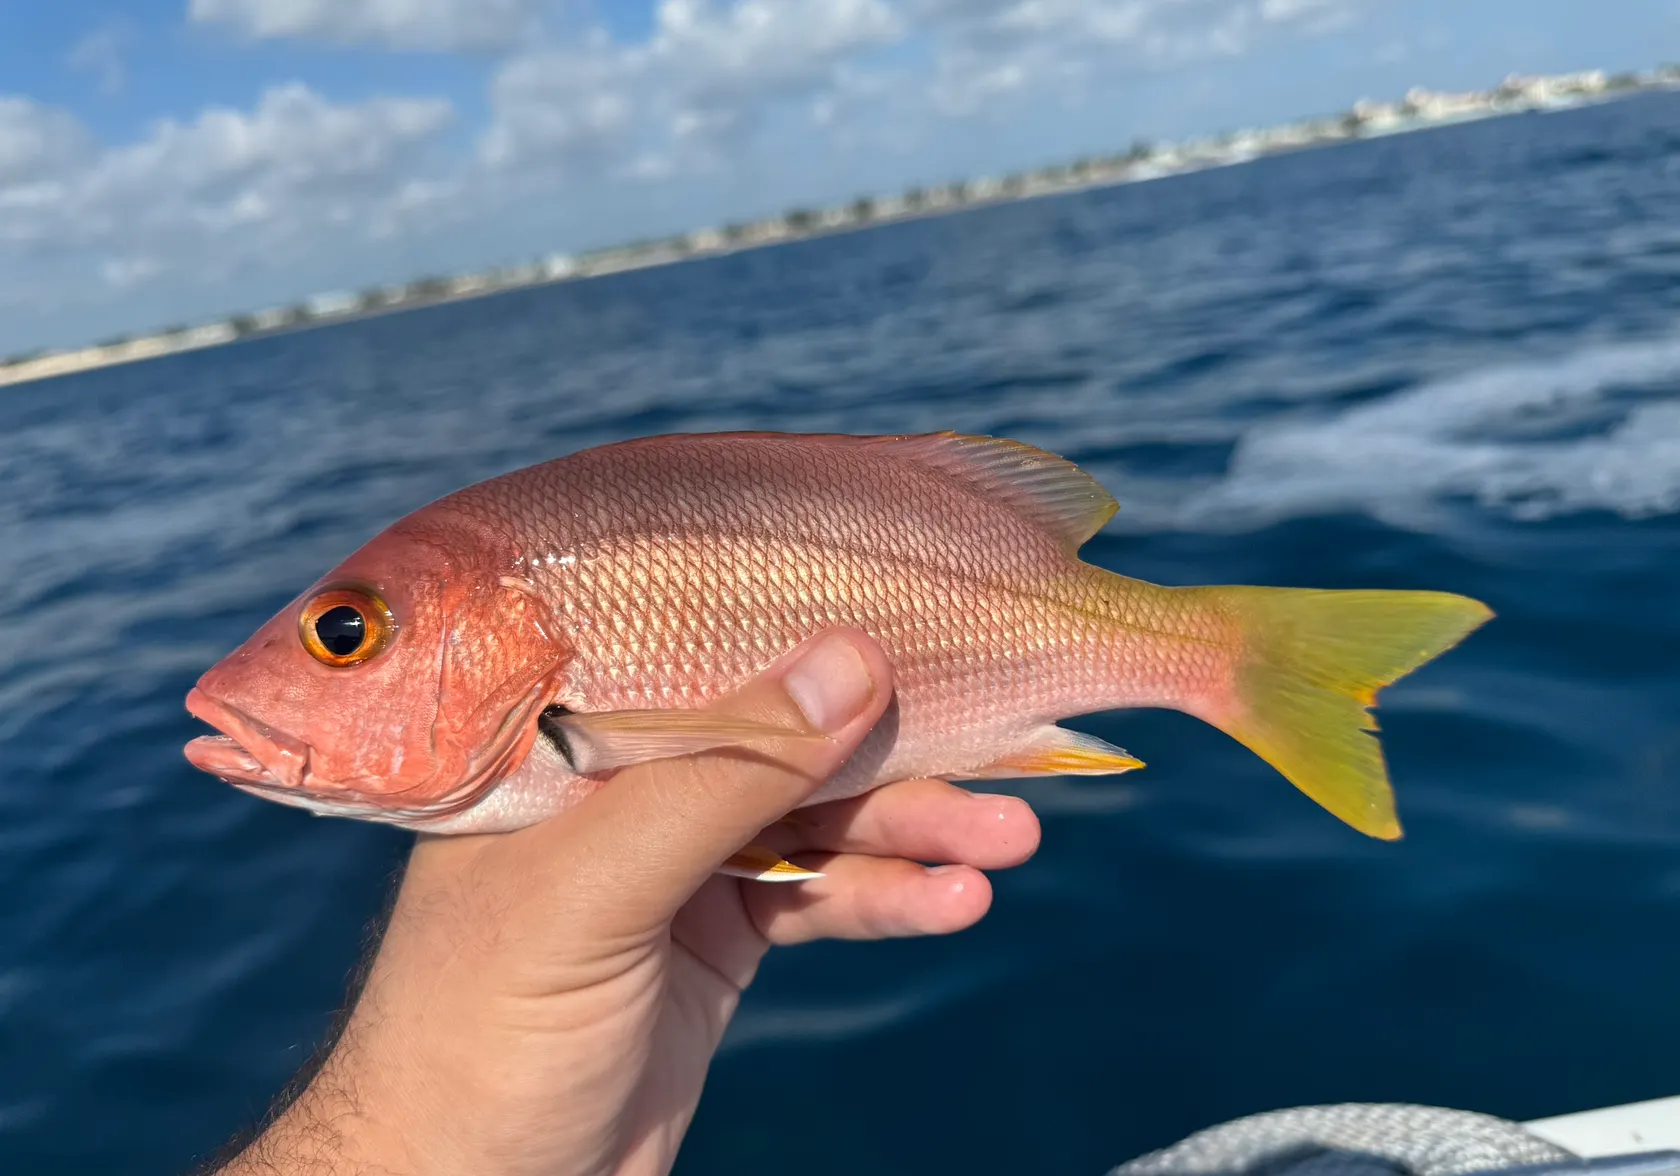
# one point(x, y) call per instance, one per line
point(603, 740)
point(1054, 751)
point(1312, 662)
point(758, 864)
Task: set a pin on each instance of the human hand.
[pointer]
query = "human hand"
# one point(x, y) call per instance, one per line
point(548, 1001)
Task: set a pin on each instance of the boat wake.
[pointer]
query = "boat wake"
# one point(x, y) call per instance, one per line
point(1596, 430)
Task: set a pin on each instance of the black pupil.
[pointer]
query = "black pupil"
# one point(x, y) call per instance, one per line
point(342, 630)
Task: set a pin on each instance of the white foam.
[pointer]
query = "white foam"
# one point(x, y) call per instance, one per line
point(1595, 430)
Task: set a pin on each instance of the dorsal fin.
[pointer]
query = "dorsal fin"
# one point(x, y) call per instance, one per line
point(1050, 491)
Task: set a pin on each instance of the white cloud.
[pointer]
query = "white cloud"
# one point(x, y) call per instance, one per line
point(228, 188)
point(756, 47)
point(705, 74)
point(444, 25)
point(993, 49)
point(1318, 15)
point(100, 53)
point(708, 71)
point(555, 106)
point(123, 272)
point(37, 143)
point(294, 138)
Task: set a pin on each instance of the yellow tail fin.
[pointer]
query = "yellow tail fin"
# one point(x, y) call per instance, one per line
point(1312, 664)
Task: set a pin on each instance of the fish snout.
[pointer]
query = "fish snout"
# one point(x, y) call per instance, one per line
point(247, 751)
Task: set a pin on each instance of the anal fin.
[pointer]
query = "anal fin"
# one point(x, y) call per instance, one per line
point(758, 864)
point(1055, 751)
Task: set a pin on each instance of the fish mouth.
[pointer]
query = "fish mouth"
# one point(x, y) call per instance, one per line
point(268, 763)
point(246, 751)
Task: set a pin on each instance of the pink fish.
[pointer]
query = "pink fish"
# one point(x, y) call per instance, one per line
point(485, 662)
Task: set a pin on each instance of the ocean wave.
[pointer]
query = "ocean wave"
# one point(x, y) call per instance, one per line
point(1594, 430)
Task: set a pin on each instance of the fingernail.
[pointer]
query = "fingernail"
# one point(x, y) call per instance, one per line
point(830, 684)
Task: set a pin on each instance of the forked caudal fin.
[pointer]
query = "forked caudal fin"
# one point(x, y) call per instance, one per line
point(1311, 666)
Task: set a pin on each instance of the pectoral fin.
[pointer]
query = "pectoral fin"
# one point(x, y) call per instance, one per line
point(603, 740)
point(763, 865)
point(1054, 751)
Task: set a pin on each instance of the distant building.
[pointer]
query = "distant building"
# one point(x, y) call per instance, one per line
point(1290, 135)
point(273, 318)
point(331, 305)
point(1539, 88)
point(766, 230)
point(1378, 116)
point(1431, 105)
point(208, 335)
point(707, 240)
point(608, 261)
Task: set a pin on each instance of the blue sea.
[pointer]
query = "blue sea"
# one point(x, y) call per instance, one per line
point(1446, 360)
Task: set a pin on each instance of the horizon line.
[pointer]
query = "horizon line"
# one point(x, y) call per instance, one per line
point(1420, 109)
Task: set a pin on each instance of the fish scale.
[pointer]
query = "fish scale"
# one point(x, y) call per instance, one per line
point(959, 589)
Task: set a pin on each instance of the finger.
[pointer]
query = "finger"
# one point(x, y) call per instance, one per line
point(659, 829)
point(862, 897)
point(924, 820)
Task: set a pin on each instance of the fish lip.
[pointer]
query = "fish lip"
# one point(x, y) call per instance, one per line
point(246, 751)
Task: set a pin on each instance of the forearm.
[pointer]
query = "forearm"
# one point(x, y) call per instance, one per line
point(322, 1126)
point(318, 1123)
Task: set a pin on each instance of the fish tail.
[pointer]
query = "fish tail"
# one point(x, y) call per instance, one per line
point(1309, 666)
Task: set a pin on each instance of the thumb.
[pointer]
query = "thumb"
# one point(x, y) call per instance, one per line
point(656, 831)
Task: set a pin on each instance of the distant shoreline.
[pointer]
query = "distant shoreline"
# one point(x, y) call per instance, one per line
point(1418, 110)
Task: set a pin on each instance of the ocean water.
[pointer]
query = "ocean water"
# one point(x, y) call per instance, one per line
point(1447, 360)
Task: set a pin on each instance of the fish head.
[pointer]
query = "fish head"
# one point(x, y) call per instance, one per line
point(400, 687)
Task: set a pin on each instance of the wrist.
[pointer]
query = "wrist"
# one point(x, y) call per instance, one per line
point(333, 1128)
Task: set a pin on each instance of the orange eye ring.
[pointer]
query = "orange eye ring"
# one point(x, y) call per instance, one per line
point(345, 626)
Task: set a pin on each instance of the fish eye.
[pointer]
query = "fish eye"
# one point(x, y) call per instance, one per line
point(345, 626)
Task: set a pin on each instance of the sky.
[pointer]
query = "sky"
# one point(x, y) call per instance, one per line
point(171, 161)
